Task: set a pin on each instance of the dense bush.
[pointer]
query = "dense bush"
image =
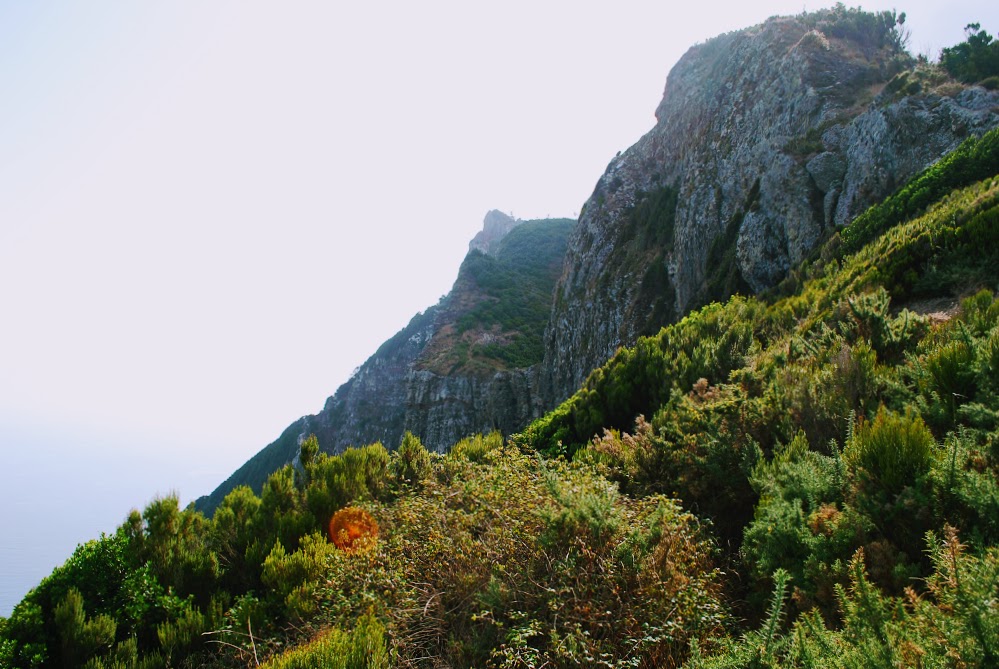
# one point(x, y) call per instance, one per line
point(869, 30)
point(361, 648)
point(974, 60)
point(890, 420)
point(891, 451)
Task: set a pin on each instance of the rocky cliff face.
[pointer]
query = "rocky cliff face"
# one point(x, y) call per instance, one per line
point(394, 391)
point(443, 408)
point(469, 364)
point(766, 140)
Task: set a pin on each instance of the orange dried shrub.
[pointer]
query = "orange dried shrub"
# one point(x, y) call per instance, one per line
point(353, 528)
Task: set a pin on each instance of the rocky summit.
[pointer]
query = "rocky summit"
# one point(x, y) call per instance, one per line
point(767, 140)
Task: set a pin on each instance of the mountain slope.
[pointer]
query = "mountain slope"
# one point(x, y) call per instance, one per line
point(767, 141)
point(467, 364)
point(839, 443)
point(806, 477)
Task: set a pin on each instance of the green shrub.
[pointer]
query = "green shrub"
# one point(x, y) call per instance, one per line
point(232, 534)
point(891, 451)
point(967, 588)
point(980, 312)
point(364, 647)
point(975, 59)
point(357, 474)
point(967, 487)
point(630, 460)
point(708, 343)
point(82, 637)
point(410, 463)
point(989, 361)
point(758, 648)
point(950, 376)
point(476, 449)
point(583, 511)
point(802, 525)
point(523, 562)
point(180, 636)
point(282, 516)
point(291, 578)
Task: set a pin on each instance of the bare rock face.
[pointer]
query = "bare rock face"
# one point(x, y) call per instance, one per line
point(767, 139)
point(495, 227)
point(391, 393)
point(371, 405)
point(445, 408)
point(413, 382)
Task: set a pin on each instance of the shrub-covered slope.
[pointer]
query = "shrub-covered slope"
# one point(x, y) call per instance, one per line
point(805, 480)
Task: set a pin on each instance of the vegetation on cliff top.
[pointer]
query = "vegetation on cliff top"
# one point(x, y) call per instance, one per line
point(511, 298)
point(974, 60)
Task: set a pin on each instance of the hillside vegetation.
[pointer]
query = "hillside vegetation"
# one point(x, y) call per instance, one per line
point(509, 297)
point(807, 479)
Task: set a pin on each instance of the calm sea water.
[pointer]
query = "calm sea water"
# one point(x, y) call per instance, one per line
point(15, 575)
point(60, 490)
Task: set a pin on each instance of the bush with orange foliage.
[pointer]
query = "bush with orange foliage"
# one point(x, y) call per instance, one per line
point(352, 528)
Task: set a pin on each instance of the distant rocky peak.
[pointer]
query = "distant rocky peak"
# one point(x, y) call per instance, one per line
point(495, 227)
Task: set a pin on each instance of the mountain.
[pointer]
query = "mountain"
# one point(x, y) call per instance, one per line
point(767, 141)
point(807, 476)
point(816, 484)
point(470, 363)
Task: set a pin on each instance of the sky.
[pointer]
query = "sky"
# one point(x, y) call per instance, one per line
point(212, 212)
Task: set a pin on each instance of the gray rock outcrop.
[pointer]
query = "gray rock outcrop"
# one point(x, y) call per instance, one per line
point(770, 137)
point(495, 227)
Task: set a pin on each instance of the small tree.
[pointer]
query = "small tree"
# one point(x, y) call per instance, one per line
point(81, 637)
point(411, 462)
point(975, 59)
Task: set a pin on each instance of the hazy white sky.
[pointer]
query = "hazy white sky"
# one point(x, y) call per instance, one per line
point(211, 212)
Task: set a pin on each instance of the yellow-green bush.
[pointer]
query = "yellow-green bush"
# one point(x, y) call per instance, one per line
point(357, 474)
point(362, 648)
point(292, 577)
point(891, 451)
point(410, 463)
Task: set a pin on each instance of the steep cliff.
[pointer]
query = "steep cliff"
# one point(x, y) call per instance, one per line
point(766, 141)
point(469, 364)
